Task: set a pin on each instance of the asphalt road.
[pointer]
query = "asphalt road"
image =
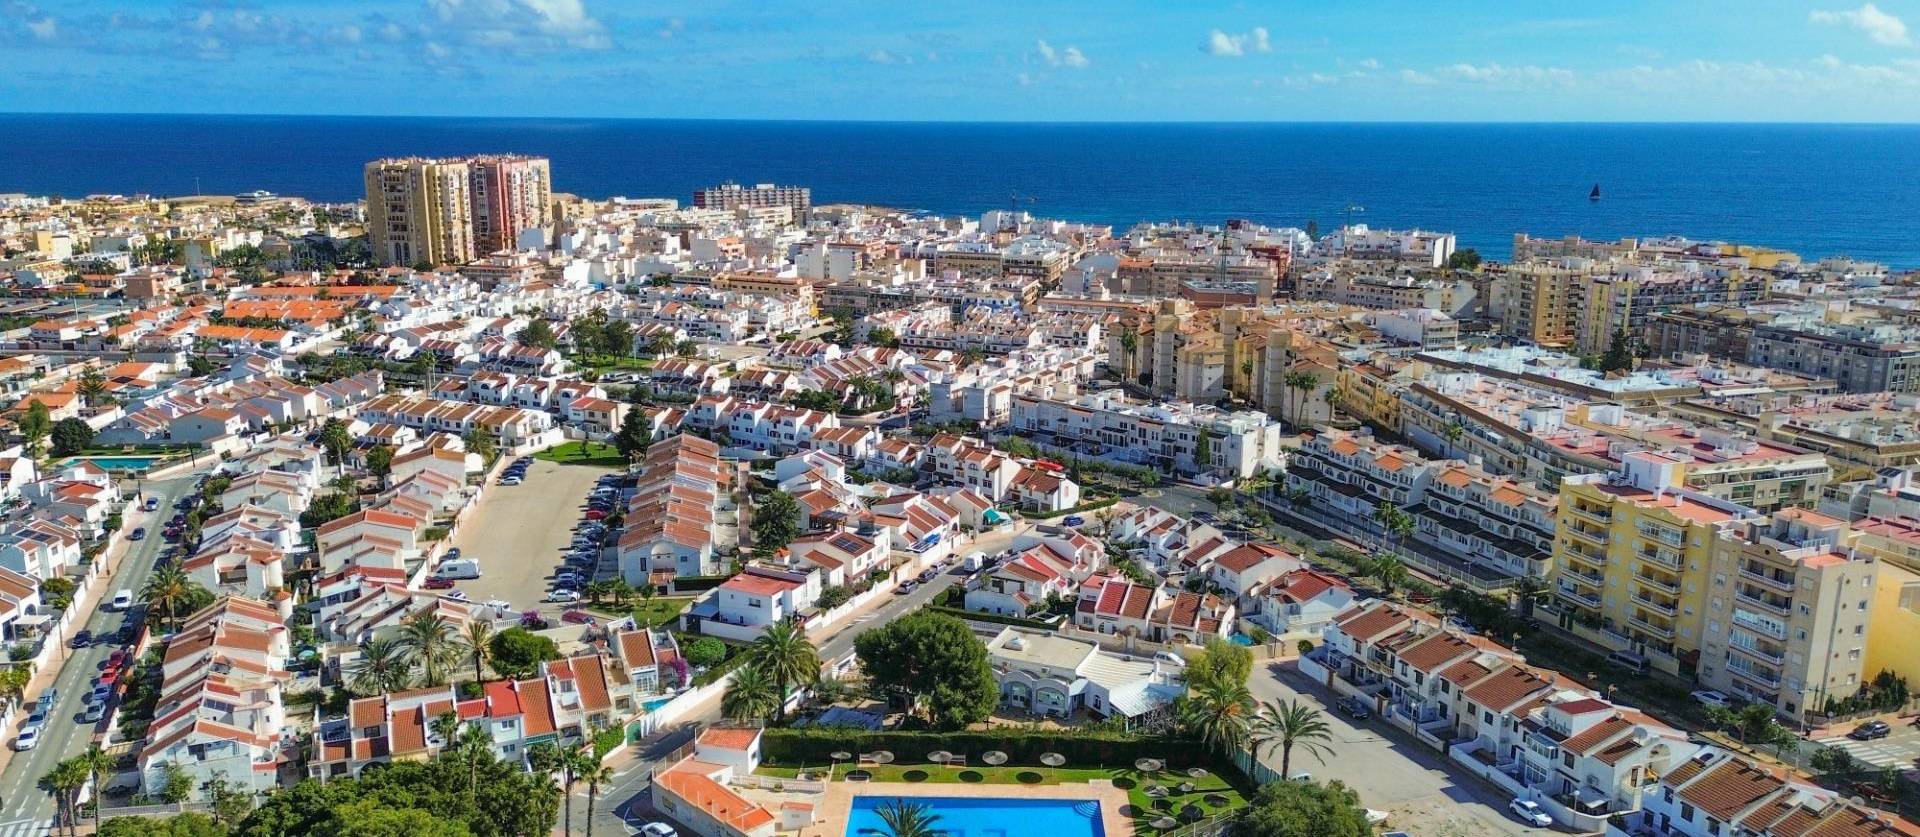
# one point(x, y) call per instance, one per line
point(623, 807)
point(64, 736)
point(1389, 769)
point(520, 533)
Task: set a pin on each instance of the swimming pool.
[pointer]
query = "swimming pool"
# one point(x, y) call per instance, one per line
point(651, 704)
point(987, 816)
point(118, 463)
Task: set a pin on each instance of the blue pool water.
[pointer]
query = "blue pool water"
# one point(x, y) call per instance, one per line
point(987, 817)
point(651, 704)
point(120, 463)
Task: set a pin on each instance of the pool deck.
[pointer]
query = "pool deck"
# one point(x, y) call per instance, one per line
point(839, 800)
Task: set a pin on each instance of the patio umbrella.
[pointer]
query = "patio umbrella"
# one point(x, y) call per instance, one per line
point(1192, 812)
point(940, 757)
point(1053, 760)
point(1156, 791)
point(1186, 787)
point(838, 757)
point(1164, 823)
point(880, 757)
point(1146, 765)
point(1197, 772)
point(994, 757)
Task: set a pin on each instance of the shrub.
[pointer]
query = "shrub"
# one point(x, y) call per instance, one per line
point(706, 651)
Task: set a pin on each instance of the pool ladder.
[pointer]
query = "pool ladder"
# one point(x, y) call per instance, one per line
point(1089, 809)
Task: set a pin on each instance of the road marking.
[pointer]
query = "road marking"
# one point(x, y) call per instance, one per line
point(26, 828)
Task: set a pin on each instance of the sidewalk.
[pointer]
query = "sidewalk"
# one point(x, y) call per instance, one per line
point(103, 573)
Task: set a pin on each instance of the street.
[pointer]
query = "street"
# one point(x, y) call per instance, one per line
point(63, 737)
point(627, 795)
point(1389, 769)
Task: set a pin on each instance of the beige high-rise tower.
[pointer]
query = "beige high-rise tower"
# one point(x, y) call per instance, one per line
point(419, 211)
point(511, 194)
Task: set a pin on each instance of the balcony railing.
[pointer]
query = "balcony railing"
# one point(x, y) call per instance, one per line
point(1598, 537)
point(1764, 679)
point(1601, 515)
point(1655, 606)
point(1650, 627)
point(1783, 608)
point(1758, 653)
point(1784, 585)
point(1663, 557)
point(1657, 584)
point(1760, 624)
point(1663, 535)
point(1575, 595)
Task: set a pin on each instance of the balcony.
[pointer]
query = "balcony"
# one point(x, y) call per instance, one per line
point(1773, 579)
point(1663, 535)
point(1573, 594)
point(1600, 515)
point(1663, 557)
point(1574, 553)
point(1650, 628)
point(1589, 579)
point(1762, 625)
point(1657, 584)
point(1782, 606)
point(1758, 653)
point(1655, 605)
point(1595, 536)
point(1763, 678)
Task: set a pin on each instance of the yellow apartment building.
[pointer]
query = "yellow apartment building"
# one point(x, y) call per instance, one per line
point(1631, 558)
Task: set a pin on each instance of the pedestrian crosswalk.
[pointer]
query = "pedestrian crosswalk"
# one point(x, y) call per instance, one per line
point(1882, 752)
point(26, 828)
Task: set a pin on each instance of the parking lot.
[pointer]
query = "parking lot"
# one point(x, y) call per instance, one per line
point(520, 533)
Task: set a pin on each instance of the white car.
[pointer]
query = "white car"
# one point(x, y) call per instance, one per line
point(499, 605)
point(457, 595)
point(1709, 697)
point(1530, 813)
point(28, 739)
point(563, 596)
point(656, 829)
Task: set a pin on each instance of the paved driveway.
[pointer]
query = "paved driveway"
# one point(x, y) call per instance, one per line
point(1391, 771)
point(520, 533)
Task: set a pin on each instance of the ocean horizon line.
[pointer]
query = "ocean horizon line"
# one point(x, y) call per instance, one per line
point(1007, 122)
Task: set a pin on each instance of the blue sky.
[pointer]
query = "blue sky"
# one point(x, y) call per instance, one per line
point(1480, 60)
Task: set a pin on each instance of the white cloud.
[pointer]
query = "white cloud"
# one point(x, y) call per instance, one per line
point(881, 56)
point(1527, 75)
point(1069, 56)
point(45, 28)
point(525, 23)
point(673, 27)
point(1234, 46)
point(1417, 77)
point(1878, 26)
point(1370, 64)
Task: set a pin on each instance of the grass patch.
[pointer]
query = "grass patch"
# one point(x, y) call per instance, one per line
point(595, 454)
point(1211, 793)
point(653, 613)
point(600, 363)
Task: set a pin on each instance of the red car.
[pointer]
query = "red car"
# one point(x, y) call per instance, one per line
point(577, 617)
point(596, 514)
point(111, 674)
point(437, 583)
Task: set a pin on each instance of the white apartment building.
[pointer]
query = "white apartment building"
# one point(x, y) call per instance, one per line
point(1165, 436)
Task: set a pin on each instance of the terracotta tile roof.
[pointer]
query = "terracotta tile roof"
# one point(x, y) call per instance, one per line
point(1372, 622)
point(1594, 736)
point(729, 738)
point(1729, 787)
point(688, 781)
point(1430, 654)
point(1505, 688)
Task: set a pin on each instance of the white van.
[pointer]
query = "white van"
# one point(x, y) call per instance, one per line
point(122, 600)
point(459, 568)
point(973, 562)
point(1629, 661)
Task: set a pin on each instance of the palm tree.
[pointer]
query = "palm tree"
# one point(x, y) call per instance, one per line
point(595, 774)
point(1528, 590)
point(1129, 342)
point(1387, 570)
point(544, 760)
point(908, 819)
point(1453, 432)
point(172, 594)
point(479, 637)
point(570, 764)
point(383, 667)
point(1299, 383)
point(433, 643)
point(93, 386)
point(751, 696)
point(98, 764)
point(1218, 714)
point(788, 658)
point(1290, 724)
point(64, 782)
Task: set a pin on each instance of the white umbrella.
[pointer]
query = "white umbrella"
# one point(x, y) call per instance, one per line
point(1053, 760)
point(994, 757)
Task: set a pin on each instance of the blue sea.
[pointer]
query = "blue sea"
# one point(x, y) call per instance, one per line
point(1816, 189)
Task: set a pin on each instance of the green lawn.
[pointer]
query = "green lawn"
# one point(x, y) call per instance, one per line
point(595, 454)
point(619, 364)
point(1132, 781)
point(653, 614)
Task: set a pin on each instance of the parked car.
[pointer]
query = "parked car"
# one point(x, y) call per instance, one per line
point(499, 605)
point(139, 534)
point(93, 713)
point(457, 595)
point(1870, 731)
point(656, 829)
point(1355, 707)
point(577, 617)
point(905, 587)
point(435, 582)
point(28, 739)
point(111, 674)
point(510, 480)
point(82, 639)
point(1073, 520)
point(596, 514)
point(118, 656)
point(563, 596)
point(1530, 813)
point(1709, 697)
point(452, 554)
point(153, 504)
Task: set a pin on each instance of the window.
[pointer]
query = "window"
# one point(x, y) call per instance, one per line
point(1686, 812)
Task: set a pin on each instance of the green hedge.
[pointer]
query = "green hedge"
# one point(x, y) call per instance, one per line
point(1079, 509)
point(719, 671)
point(699, 582)
point(995, 618)
point(797, 747)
